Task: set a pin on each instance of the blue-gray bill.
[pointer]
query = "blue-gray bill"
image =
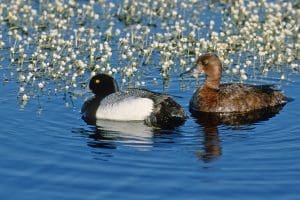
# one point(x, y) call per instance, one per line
point(194, 71)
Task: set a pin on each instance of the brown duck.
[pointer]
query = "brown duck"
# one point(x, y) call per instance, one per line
point(214, 97)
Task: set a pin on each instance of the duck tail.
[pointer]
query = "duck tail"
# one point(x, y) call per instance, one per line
point(286, 100)
point(281, 98)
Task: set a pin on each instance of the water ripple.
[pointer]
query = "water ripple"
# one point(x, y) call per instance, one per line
point(43, 151)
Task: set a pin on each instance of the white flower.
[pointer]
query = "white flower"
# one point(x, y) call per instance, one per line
point(93, 73)
point(21, 89)
point(40, 85)
point(244, 77)
point(22, 77)
point(235, 70)
point(25, 97)
point(117, 32)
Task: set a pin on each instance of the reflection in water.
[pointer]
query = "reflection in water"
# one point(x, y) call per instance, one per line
point(133, 133)
point(212, 147)
point(210, 122)
point(107, 134)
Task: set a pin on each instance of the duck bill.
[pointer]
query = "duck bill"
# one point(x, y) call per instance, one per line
point(194, 71)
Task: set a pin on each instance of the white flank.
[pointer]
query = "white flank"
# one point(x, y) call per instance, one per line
point(128, 109)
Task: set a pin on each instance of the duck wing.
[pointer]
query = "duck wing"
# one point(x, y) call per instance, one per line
point(245, 97)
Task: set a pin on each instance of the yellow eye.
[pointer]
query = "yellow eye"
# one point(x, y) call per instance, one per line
point(97, 81)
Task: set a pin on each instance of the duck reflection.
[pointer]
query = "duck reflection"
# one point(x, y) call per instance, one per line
point(133, 133)
point(211, 121)
point(212, 146)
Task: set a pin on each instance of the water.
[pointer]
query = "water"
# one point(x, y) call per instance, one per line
point(48, 151)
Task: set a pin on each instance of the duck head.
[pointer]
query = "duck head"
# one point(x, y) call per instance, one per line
point(210, 65)
point(103, 85)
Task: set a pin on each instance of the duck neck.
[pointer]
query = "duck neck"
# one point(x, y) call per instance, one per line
point(212, 83)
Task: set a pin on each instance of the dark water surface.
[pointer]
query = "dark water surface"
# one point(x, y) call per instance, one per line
point(48, 152)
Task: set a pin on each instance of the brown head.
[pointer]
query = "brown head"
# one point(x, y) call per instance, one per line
point(211, 66)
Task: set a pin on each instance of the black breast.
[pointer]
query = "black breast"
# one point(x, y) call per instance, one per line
point(89, 109)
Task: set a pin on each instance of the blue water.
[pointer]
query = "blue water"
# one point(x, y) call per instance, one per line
point(48, 152)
